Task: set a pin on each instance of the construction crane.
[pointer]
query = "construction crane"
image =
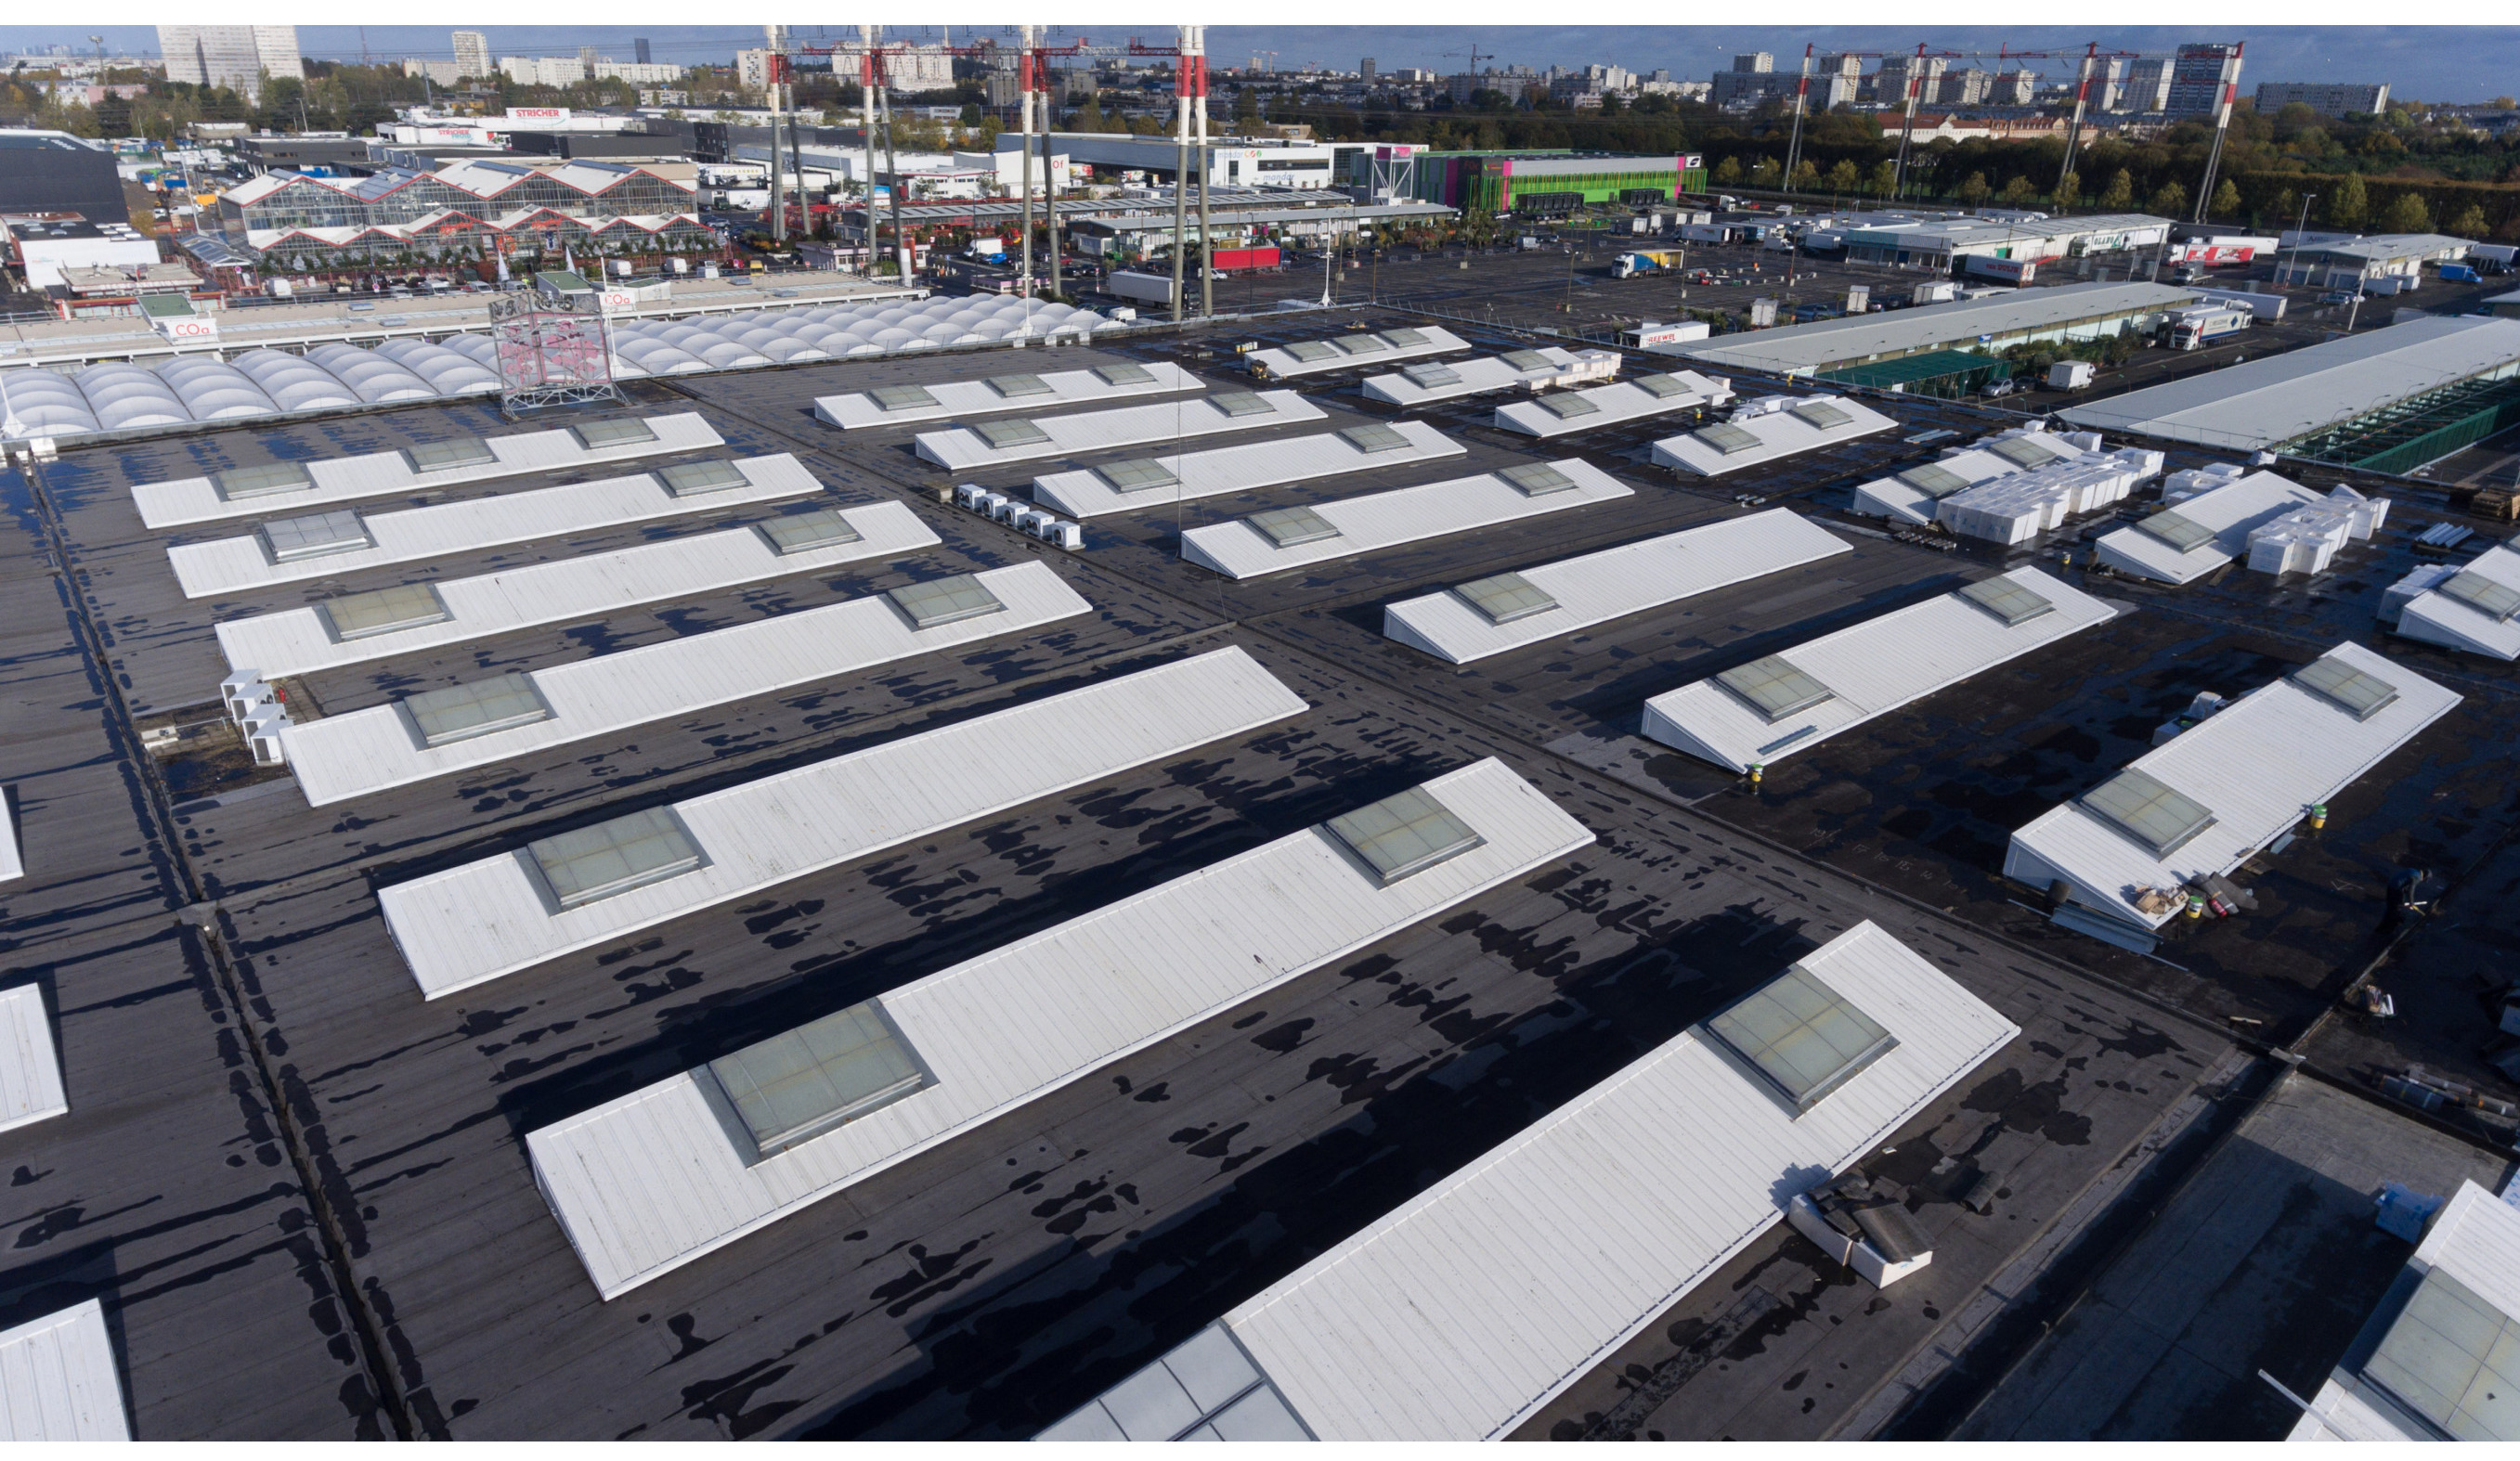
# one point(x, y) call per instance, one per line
point(2229, 78)
point(1907, 117)
point(1190, 96)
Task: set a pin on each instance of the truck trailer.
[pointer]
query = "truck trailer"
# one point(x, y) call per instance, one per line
point(1645, 261)
point(2201, 325)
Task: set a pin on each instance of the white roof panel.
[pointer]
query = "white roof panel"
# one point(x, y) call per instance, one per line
point(476, 922)
point(649, 1181)
point(1781, 434)
point(443, 529)
point(1616, 582)
point(2438, 618)
point(2277, 397)
point(12, 863)
point(341, 479)
point(1280, 363)
point(365, 751)
point(1387, 519)
point(30, 1068)
point(295, 641)
point(963, 448)
point(1870, 669)
point(58, 1380)
point(1614, 405)
point(958, 398)
point(2258, 765)
point(1241, 469)
point(2228, 512)
point(1487, 372)
point(1477, 1301)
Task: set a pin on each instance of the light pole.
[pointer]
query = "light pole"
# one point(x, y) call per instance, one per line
point(2300, 229)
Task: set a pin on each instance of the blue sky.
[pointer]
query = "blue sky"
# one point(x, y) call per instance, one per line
point(2430, 63)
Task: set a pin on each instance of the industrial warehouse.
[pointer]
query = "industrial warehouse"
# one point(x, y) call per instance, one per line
point(1378, 845)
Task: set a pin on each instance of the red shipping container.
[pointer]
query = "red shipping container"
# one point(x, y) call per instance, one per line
point(1246, 258)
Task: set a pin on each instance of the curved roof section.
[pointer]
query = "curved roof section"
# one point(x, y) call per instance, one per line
point(294, 383)
point(447, 372)
point(129, 396)
point(376, 377)
point(213, 390)
point(44, 403)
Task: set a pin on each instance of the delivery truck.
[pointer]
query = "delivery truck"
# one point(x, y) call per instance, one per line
point(2201, 325)
point(1645, 261)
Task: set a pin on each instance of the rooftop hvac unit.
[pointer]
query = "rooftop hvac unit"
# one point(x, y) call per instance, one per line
point(1032, 519)
point(241, 692)
point(989, 503)
point(262, 735)
point(969, 495)
point(1009, 509)
point(1067, 535)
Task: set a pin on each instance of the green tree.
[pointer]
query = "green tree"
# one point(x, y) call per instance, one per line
point(2469, 224)
point(2226, 201)
point(2347, 202)
point(2069, 192)
point(1763, 173)
point(2119, 196)
point(1885, 177)
point(2017, 193)
point(1728, 172)
point(2169, 201)
point(2408, 214)
point(1843, 178)
point(1974, 190)
point(1806, 175)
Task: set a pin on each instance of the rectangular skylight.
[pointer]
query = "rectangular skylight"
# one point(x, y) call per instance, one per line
point(2453, 1359)
point(902, 397)
point(446, 456)
point(1288, 527)
point(694, 478)
point(595, 436)
point(2025, 451)
point(2007, 600)
point(1401, 339)
point(1664, 387)
point(1804, 1037)
point(1775, 688)
point(2185, 534)
point(1242, 403)
point(1374, 439)
point(1934, 479)
point(1124, 373)
point(1727, 438)
point(799, 532)
point(317, 535)
point(1821, 414)
point(2482, 593)
point(614, 857)
point(1404, 834)
point(1361, 345)
point(1309, 351)
point(2157, 817)
point(1015, 387)
point(795, 1086)
point(946, 600)
point(1569, 404)
point(1014, 431)
point(1429, 377)
point(477, 707)
point(357, 616)
point(2360, 693)
point(1506, 597)
point(240, 482)
point(1537, 479)
point(1528, 360)
point(1137, 474)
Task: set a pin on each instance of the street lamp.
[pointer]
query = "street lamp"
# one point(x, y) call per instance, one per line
point(2300, 229)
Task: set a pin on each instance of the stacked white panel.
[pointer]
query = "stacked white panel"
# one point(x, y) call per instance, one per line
point(2017, 508)
point(2229, 512)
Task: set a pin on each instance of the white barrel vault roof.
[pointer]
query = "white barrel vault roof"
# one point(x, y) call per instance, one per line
point(365, 751)
point(2258, 765)
point(1388, 519)
point(294, 641)
point(1615, 582)
point(1219, 470)
point(975, 397)
point(474, 923)
point(57, 1379)
point(649, 1181)
point(1476, 1303)
point(962, 449)
point(416, 535)
point(1872, 668)
point(341, 479)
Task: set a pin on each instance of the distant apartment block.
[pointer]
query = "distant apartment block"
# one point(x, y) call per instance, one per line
point(472, 54)
point(2198, 77)
point(231, 56)
point(2326, 98)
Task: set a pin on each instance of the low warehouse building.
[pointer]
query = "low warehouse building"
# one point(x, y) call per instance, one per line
point(1987, 325)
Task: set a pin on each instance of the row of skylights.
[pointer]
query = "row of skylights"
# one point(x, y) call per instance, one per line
point(1569, 404)
point(2183, 533)
point(239, 483)
point(1014, 431)
point(1935, 480)
point(1806, 1038)
point(1240, 403)
point(479, 707)
point(1528, 360)
point(697, 478)
point(317, 535)
point(1292, 527)
point(1137, 474)
point(1775, 688)
point(1537, 479)
point(1821, 414)
point(1506, 597)
point(2007, 600)
point(802, 532)
point(1727, 438)
point(1430, 377)
point(2481, 594)
point(1664, 387)
point(1374, 439)
point(2156, 816)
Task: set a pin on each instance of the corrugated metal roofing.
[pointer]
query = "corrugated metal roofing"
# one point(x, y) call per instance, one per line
point(1616, 582)
point(443, 529)
point(474, 923)
point(2258, 765)
point(2229, 513)
point(1780, 433)
point(2437, 618)
point(649, 1181)
point(58, 1380)
point(365, 751)
point(12, 864)
point(2276, 398)
point(1476, 1303)
point(1612, 405)
point(1476, 378)
point(963, 449)
point(1280, 363)
point(1242, 469)
point(956, 398)
point(1387, 519)
point(1870, 669)
point(295, 641)
point(1856, 339)
point(341, 479)
point(30, 1069)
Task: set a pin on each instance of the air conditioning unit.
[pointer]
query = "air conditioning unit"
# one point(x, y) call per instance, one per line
point(969, 495)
